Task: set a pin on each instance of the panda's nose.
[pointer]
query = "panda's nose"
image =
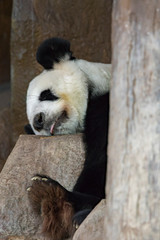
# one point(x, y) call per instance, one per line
point(38, 121)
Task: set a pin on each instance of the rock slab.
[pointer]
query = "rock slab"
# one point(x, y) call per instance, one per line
point(59, 157)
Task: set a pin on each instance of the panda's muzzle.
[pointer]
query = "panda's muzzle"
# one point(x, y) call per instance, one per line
point(38, 121)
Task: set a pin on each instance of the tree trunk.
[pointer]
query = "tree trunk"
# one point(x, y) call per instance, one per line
point(133, 184)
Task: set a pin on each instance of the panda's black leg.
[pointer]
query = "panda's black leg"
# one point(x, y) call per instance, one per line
point(79, 217)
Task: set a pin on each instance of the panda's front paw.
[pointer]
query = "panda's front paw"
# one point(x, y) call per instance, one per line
point(38, 191)
point(50, 200)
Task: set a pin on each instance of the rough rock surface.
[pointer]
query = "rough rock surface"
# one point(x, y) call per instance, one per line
point(60, 157)
point(5, 136)
point(92, 227)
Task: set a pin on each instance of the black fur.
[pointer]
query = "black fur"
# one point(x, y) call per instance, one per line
point(92, 178)
point(47, 95)
point(28, 129)
point(90, 186)
point(52, 50)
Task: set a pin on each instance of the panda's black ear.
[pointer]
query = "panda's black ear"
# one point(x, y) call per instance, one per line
point(53, 50)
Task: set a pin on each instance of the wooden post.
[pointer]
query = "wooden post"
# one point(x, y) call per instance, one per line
point(133, 185)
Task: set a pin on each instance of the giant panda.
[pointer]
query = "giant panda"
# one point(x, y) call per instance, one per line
point(70, 96)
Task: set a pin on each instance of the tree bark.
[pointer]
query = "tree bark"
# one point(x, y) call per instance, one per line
point(133, 184)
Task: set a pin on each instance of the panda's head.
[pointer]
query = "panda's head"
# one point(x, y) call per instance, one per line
point(57, 98)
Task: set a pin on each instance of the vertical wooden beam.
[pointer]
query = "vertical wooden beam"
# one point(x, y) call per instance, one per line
point(133, 185)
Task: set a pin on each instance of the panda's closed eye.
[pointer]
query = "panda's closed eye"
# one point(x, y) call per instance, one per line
point(47, 95)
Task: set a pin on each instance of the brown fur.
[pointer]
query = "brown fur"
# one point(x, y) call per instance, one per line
point(50, 200)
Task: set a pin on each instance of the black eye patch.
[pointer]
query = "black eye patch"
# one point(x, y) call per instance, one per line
point(47, 95)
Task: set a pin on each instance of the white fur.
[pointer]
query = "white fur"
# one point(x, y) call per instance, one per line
point(98, 75)
point(69, 81)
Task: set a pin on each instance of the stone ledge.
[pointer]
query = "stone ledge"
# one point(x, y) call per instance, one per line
point(60, 157)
